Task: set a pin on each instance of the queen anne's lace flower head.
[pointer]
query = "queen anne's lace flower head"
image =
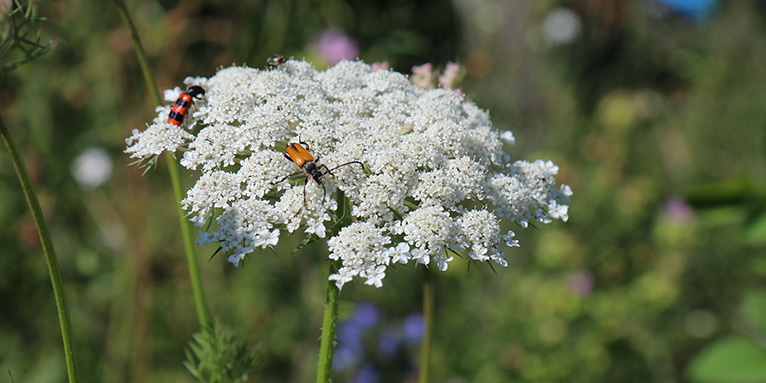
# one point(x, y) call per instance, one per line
point(435, 181)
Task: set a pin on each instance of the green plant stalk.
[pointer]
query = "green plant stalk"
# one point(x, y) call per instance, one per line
point(329, 324)
point(175, 178)
point(428, 314)
point(191, 257)
point(154, 92)
point(50, 255)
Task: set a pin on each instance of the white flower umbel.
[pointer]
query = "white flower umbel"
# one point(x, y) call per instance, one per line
point(435, 180)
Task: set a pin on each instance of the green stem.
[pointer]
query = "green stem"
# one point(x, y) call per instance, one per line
point(327, 343)
point(50, 255)
point(186, 232)
point(191, 257)
point(154, 92)
point(428, 314)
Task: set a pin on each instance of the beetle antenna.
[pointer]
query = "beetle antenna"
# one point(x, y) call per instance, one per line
point(348, 163)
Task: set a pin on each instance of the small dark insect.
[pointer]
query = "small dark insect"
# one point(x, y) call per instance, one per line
point(274, 61)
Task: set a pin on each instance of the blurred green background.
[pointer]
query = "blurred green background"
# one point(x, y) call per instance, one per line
point(654, 111)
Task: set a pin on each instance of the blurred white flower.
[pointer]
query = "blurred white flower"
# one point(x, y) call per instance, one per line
point(435, 179)
point(561, 26)
point(508, 137)
point(92, 168)
point(701, 323)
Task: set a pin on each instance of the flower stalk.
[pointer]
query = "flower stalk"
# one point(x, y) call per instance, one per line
point(330, 321)
point(428, 316)
point(178, 192)
point(47, 244)
point(329, 325)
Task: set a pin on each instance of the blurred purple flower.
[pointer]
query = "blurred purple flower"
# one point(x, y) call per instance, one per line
point(345, 357)
point(581, 282)
point(366, 315)
point(677, 210)
point(388, 343)
point(350, 334)
point(367, 374)
point(5, 8)
point(334, 45)
point(413, 328)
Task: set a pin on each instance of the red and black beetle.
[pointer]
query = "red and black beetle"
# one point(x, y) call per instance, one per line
point(298, 154)
point(185, 100)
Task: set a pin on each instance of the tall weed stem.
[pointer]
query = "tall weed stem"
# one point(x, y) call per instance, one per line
point(50, 254)
point(428, 314)
point(329, 325)
point(178, 192)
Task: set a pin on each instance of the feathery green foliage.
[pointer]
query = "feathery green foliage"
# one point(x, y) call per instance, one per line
point(216, 356)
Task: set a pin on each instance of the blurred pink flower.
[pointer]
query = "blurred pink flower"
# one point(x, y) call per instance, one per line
point(379, 66)
point(5, 9)
point(450, 75)
point(423, 75)
point(334, 45)
point(676, 209)
point(581, 282)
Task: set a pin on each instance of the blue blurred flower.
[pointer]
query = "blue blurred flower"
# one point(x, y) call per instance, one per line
point(388, 343)
point(345, 357)
point(367, 374)
point(413, 328)
point(366, 315)
point(350, 334)
point(365, 336)
point(694, 10)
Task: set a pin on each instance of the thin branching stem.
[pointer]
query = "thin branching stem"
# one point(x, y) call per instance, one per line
point(22, 35)
point(50, 254)
point(175, 178)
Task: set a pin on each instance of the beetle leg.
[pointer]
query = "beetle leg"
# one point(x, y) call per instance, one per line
point(286, 177)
